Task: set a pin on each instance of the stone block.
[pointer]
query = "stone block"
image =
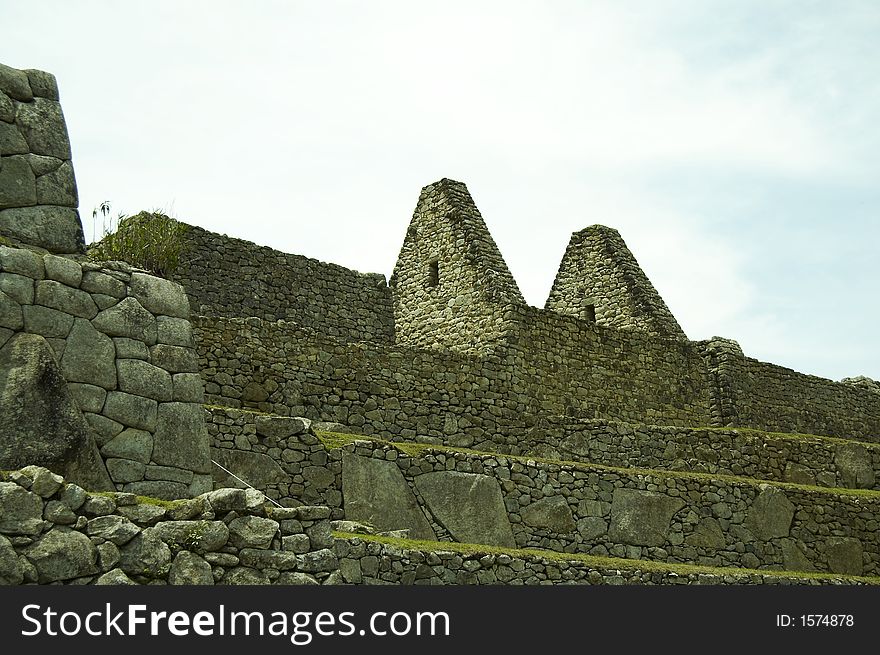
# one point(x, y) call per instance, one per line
point(162, 489)
point(21, 512)
point(141, 378)
point(146, 554)
point(770, 514)
point(181, 438)
point(198, 536)
point(174, 359)
point(98, 282)
point(257, 469)
point(17, 183)
point(128, 319)
point(132, 411)
point(169, 473)
point(641, 518)
point(62, 554)
point(375, 492)
point(855, 465)
point(552, 513)
point(14, 83)
point(130, 348)
point(11, 316)
point(12, 143)
point(88, 397)
point(56, 295)
point(57, 229)
point(160, 296)
point(43, 84)
point(845, 555)
point(47, 322)
point(190, 569)
point(174, 331)
point(41, 165)
point(469, 505)
point(22, 262)
point(130, 444)
point(188, 388)
point(17, 287)
point(124, 470)
point(7, 108)
point(62, 269)
point(42, 124)
point(90, 357)
point(116, 529)
point(252, 532)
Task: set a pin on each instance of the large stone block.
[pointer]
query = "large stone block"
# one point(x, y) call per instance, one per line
point(190, 569)
point(770, 514)
point(11, 316)
point(62, 554)
point(257, 469)
point(57, 229)
point(17, 183)
point(21, 262)
point(58, 187)
point(375, 492)
point(188, 388)
point(17, 287)
point(47, 322)
point(21, 512)
point(181, 438)
point(641, 518)
point(62, 269)
point(133, 411)
point(174, 359)
point(97, 282)
point(160, 296)
point(469, 505)
point(128, 319)
point(143, 379)
point(252, 532)
point(198, 536)
point(11, 572)
point(89, 357)
point(7, 108)
point(845, 555)
point(131, 444)
point(11, 143)
point(146, 554)
point(15, 84)
point(42, 124)
point(43, 84)
point(42, 424)
point(54, 294)
point(856, 467)
point(175, 331)
point(549, 513)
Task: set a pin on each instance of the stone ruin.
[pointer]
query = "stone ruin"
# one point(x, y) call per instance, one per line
point(215, 426)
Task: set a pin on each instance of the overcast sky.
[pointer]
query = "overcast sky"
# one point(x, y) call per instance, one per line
point(733, 144)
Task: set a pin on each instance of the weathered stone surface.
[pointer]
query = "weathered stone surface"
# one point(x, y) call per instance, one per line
point(174, 331)
point(201, 484)
point(160, 296)
point(130, 444)
point(469, 505)
point(158, 489)
point(190, 569)
point(845, 555)
point(7, 108)
point(376, 493)
point(49, 323)
point(62, 269)
point(318, 561)
point(10, 569)
point(58, 512)
point(62, 554)
point(43, 84)
point(146, 554)
point(252, 532)
point(771, 514)
point(295, 578)
point(174, 359)
point(58, 187)
point(21, 512)
point(88, 397)
point(226, 500)
point(133, 411)
point(130, 349)
point(181, 438)
point(855, 465)
point(22, 262)
point(146, 515)
point(197, 536)
point(17, 183)
point(641, 518)
point(552, 513)
point(188, 388)
point(280, 427)
point(116, 529)
point(17, 287)
point(244, 575)
point(270, 559)
point(794, 558)
point(141, 378)
point(42, 124)
point(57, 229)
point(44, 483)
point(104, 428)
point(128, 319)
point(10, 313)
point(56, 295)
point(115, 577)
point(15, 84)
point(41, 165)
point(170, 473)
point(12, 143)
point(90, 357)
point(258, 469)
point(43, 424)
point(707, 534)
point(124, 470)
point(98, 282)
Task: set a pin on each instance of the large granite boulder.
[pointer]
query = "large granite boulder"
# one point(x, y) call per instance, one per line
point(41, 423)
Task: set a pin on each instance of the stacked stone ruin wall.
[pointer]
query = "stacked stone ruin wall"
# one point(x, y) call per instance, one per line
point(231, 277)
point(38, 196)
point(124, 345)
point(564, 507)
point(407, 393)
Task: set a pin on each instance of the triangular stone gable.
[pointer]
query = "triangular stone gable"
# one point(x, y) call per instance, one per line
point(599, 279)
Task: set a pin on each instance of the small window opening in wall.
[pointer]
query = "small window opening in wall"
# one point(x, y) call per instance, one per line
point(590, 313)
point(433, 273)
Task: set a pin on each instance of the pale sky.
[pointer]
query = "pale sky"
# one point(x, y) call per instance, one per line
point(733, 144)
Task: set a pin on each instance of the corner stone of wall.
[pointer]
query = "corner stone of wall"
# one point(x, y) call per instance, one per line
point(122, 340)
point(38, 196)
point(52, 532)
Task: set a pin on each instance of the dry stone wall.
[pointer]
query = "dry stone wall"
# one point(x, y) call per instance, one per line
point(231, 277)
point(38, 196)
point(121, 341)
point(53, 532)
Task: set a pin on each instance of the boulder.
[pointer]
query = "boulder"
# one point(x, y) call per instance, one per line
point(43, 425)
point(641, 518)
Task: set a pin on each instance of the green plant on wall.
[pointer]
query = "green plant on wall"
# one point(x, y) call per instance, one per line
point(150, 240)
